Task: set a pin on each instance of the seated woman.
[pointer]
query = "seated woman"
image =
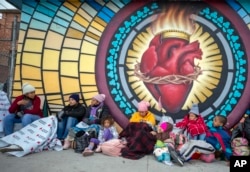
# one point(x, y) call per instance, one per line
point(137, 134)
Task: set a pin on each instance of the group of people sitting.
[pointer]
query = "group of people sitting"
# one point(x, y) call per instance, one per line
point(170, 142)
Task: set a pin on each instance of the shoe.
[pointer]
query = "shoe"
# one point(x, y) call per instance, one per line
point(87, 152)
point(11, 148)
point(168, 163)
point(98, 149)
point(66, 145)
point(176, 157)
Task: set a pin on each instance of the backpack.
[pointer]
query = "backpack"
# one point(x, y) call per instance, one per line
point(240, 146)
point(82, 139)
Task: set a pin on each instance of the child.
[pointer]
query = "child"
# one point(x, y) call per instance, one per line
point(194, 124)
point(161, 150)
point(218, 137)
point(107, 132)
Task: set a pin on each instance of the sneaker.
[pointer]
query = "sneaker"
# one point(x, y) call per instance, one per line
point(11, 148)
point(87, 152)
point(168, 163)
point(176, 157)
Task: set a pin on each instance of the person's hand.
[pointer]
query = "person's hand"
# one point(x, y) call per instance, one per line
point(22, 102)
point(153, 133)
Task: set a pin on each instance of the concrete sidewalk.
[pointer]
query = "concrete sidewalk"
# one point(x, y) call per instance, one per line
point(68, 161)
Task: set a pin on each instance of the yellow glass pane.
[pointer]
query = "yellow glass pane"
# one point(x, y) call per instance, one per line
point(31, 59)
point(33, 45)
point(70, 85)
point(84, 14)
point(50, 59)
point(97, 26)
point(17, 76)
point(88, 88)
point(21, 36)
point(36, 34)
point(69, 69)
point(81, 20)
point(87, 63)
point(31, 72)
point(70, 54)
point(74, 33)
point(51, 82)
point(70, 6)
point(54, 40)
point(72, 43)
point(89, 48)
point(88, 79)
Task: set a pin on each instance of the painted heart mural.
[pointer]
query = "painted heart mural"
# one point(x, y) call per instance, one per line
point(168, 70)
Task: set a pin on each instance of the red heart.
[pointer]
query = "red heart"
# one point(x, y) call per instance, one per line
point(170, 57)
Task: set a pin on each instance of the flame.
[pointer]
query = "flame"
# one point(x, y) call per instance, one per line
point(174, 18)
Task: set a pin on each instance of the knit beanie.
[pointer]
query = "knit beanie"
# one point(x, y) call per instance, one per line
point(27, 88)
point(143, 106)
point(164, 126)
point(194, 109)
point(99, 97)
point(75, 97)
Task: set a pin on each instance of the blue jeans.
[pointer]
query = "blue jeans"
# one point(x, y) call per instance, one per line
point(64, 126)
point(10, 120)
point(197, 137)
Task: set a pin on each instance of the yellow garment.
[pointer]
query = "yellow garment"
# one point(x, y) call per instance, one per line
point(136, 117)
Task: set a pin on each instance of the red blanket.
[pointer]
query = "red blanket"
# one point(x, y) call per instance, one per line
point(139, 140)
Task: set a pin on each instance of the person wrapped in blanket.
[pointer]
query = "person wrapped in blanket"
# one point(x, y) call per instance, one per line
point(219, 137)
point(92, 118)
point(107, 132)
point(194, 124)
point(137, 133)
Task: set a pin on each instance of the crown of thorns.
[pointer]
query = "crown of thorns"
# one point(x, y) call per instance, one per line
point(168, 79)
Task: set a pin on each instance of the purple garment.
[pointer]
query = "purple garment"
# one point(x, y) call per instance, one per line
point(95, 141)
point(93, 111)
point(107, 135)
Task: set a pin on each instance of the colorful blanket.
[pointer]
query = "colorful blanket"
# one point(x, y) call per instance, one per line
point(139, 140)
point(35, 137)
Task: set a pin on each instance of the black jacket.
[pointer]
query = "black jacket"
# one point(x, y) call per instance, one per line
point(78, 111)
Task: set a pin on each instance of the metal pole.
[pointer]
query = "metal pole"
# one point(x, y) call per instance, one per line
point(13, 58)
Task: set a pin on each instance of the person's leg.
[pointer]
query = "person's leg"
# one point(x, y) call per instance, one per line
point(28, 119)
point(71, 122)
point(8, 123)
point(61, 128)
point(89, 150)
point(201, 136)
point(197, 145)
point(174, 155)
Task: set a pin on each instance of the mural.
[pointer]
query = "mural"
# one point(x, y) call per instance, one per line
point(170, 53)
